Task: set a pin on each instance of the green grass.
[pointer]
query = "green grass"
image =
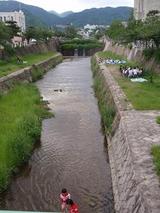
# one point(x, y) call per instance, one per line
point(109, 54)
point(156, 158)
point(158, 120)
point(21, 113)
point(143, 96)
point(12, 65)
point(105, 101)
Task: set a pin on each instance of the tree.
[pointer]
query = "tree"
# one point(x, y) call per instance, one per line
point(4, 33)
point(116, 31)
point(70, 32)
point(13, 28)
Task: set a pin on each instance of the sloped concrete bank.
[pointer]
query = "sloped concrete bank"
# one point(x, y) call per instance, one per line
point(135, 183)
point(135, 54)
point(27, 74)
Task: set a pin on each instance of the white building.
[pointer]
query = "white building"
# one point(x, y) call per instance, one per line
point(142, 7)
point(16, 16)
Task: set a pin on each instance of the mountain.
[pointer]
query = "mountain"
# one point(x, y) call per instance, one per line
point(54, 12)
point(61, 14)
point(101, 16)
point(34, 15)
point(37, 16)
point(67, 13)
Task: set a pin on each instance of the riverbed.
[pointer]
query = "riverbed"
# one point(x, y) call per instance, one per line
point(72, 152)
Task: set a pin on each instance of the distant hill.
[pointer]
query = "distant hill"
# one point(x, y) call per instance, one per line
point(101, 16)
point(54, 12)
point(34, 15)
point(67, 13)
point(37, 16)
point(61, 14)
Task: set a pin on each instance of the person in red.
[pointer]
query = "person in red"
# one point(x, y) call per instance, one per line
point(73, 208)
point(64, 196)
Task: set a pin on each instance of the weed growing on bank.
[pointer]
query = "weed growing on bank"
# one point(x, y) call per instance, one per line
point(7, 67)
point(156, 158)
point(158, 120)
point(105, 101)
point(21, 114)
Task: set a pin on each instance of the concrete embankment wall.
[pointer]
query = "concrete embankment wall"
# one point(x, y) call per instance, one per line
point(41, 47)
point(26, 74)
point(135, 183)
point(134, 54)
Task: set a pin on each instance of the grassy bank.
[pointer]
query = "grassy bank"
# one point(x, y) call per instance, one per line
point(158, 120)
point(105, 101)
point(143, 96)
point(21, 113)
point(156, 158)
point(7, 67)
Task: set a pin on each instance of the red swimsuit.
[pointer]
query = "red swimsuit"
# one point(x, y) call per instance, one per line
point(74, 209)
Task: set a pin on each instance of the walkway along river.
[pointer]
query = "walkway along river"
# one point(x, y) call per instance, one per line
point(72, 153)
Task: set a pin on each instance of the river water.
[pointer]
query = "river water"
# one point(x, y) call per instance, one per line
point(72, 153)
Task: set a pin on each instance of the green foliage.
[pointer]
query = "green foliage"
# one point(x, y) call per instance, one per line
point(4, 33)
point(9, 50)
point(158, 119)
point(143, 96)
point(80, 44)
point(70, 32)
point(156, 158)
point(109, 54)
point(13, 28)
point(152, 53)
point(38, 33)
point(21, 115)
point(7, 67)
point(105, 101)
point(116, 31)
point(37, 73)
point(146, 32)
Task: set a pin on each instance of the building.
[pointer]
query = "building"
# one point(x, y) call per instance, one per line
point(17, 16)
point(142, 7)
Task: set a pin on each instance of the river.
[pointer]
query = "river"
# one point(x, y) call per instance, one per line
point(72, 152)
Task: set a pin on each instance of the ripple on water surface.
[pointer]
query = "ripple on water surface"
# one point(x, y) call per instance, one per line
point(72, 153)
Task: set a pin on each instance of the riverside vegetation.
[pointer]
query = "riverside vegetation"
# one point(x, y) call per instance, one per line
point(7, 67)
point(143, 96)
point(105, 101)
point(21, 114)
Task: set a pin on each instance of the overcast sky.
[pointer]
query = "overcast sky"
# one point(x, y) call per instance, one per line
point(76, 5)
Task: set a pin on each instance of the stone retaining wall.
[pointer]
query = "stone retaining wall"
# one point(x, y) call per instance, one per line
point(135, 183)
point(25, 75)
point(135, 54)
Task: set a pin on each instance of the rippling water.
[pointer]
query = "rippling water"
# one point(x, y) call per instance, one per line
point(72, 153)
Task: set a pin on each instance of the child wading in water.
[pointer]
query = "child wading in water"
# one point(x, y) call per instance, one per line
point(73, 208)
point(64, 196)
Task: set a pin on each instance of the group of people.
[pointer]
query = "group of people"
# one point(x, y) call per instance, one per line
point(131, 72)
point(67, 202)
point(111, 61)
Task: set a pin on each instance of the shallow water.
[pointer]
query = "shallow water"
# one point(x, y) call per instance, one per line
point(72, 152)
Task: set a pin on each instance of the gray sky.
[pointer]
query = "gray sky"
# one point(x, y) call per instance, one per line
point(76, 5)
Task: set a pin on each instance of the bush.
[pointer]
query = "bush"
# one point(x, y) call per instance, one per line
point(156, 158)
point(148, 53)
point(37, 73)
point(80, 44)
